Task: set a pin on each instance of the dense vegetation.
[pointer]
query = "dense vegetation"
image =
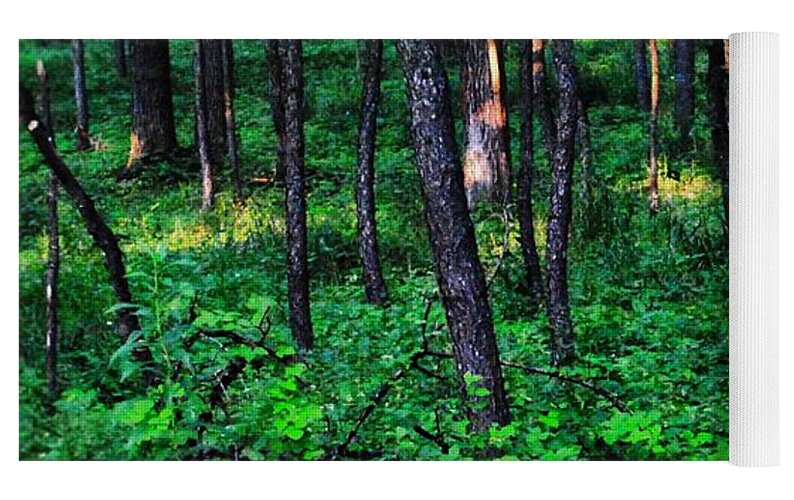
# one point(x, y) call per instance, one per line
point(648, 292)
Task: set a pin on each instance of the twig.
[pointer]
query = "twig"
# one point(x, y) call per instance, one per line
point(533, 370)
point(438, 439)
point(616, 402)
point(505, 243)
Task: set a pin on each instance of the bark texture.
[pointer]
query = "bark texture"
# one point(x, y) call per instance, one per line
point(641, 74)
point(103, 236)
point(653, 169)
point(120, 57)
point(214, 99)
point(460, 276)
point(153, 134)
point(486, 169)
point(718, 113)
point(276, 87)
point(684, 63)
point(374, 284)
point(560, 209)
point(526, 171)
point(542, 98)
point(228, 110)
point(202, 129)
point(80, 96)
point(53, 249)
point(290, 52)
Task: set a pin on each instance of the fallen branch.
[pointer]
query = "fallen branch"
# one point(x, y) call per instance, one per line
point(533, 370)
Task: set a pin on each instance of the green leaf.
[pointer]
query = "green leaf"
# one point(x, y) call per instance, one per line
point(133, 412)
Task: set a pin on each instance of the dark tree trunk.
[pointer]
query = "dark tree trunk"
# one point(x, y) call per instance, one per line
point(542, 99)
point(718, 113)
point(460, 276)
point(560, 210)
point(653, 169)
point(684, 54)
point(80, 96)
point(276, 87)
point(53, 250)
point(486, 171)
point(526, 222)
point(231, 127)
point(214, 100)
point(120, 56)
point(374, 285)
point(641, 74)
point(103, 236)
point(153, 133)
point(202, 129)
point(290, 52)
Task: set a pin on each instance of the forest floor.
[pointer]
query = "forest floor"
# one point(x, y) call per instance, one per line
point(648, 293)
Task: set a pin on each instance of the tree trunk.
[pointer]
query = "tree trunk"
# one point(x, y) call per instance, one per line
point(684, 55)
point(276, 87)
point(153, 133)
point(718, 112)
point(374, 285)
point(586, 157)
point(214, 99)
point(641, 74)
point(202, 129)
point(290, 53)
point(231, 127)
point(120, 56)
point(460, 276)
point(486, 171)
point(560, 210)
point(53, 250)
point(103, 236)
point(80, 96)
point(541, 98)
point(526, 222)
point(653, 170)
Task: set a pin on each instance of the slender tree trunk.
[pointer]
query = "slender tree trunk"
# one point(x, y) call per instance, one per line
point(207, 189)
point(586, 157)
point(374, 285)
point(45, 114)
point(51, 287)
point(276, 87)
point(526, 222)
point(53, 249)
point(290, 52)
point(684, 56)
point(460, 276)
point(231, 127)
point(103, 236)
point(153, 133)
point(120, 56)
point(541, 97)
point(641, 74)
point(653, 170)
point(80, 96)
point(718, 112)
point(562, 335)
point(214, 99)
point(486, 171)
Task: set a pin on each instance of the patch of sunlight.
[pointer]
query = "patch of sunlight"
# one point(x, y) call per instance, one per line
point(692, 185)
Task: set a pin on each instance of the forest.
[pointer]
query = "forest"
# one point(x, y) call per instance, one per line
point(373, 249)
